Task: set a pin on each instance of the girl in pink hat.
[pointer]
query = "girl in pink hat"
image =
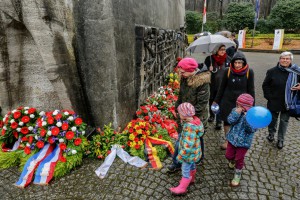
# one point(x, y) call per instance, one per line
point(189, 150)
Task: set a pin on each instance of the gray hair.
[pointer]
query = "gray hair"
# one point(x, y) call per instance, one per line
point(286, 53)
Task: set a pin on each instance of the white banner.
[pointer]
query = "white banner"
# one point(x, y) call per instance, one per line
point(278, 39)
point(242, 38)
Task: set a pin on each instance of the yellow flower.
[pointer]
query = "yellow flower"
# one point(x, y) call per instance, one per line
point(143, 136)
point(140, 142)
point(171, 80)
point(171, 75)
point(132, 144)
point(136, 126)
point(148, 132)
point(131, 137)
point(139, 131)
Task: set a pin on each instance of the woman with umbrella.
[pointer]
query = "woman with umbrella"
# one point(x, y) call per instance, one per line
point(236, 80)
point(217, 63)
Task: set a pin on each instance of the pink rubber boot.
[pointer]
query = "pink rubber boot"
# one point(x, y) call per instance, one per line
point(182, 187)
point(193, 175)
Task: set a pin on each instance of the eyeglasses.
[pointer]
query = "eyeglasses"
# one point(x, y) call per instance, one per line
point(238, 62)
point(222, 49)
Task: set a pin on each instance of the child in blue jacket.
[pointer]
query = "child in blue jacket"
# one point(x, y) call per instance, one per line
point(239, 136)
point(189, 146)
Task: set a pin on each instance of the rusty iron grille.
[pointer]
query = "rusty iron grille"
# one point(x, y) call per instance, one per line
point(156, 53)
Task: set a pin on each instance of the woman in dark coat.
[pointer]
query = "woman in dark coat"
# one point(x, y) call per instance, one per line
point(217, 63)
point(236, 80)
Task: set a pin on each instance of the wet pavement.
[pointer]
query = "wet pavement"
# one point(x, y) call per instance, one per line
point(269, 173)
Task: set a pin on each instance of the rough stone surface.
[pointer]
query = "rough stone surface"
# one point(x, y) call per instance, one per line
point(80, 55)
point(269, 173)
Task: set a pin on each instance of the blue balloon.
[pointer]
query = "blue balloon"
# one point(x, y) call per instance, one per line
point(258, 117)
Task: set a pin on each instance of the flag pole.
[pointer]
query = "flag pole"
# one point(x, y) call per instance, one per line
point(257, 5)
point(204, 16)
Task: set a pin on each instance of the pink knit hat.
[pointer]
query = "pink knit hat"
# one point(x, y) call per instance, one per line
point(245, 100)
point(186, 110)
point(188, 64)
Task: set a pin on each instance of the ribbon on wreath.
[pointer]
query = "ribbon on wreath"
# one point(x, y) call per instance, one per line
point(116, 150)
point(15, 146)
point(152, 152)
point(31, 165)
point(45, 170)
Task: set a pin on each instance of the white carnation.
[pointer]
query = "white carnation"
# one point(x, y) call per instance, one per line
point(71, 118)
point(11, 121)
point(4, 127)
point(4, 119)
point(18, 129)
point(73, 128)
point(49, 133)
point(44, 123)
point(27, 144)
point(58, 124)
point(14, 111)
point(26, 108)
point(26, 112)
point(21, 123)
point(36, 137)
point(74, 151)
point(83, 132)
point(55, 112)
point(30, 128)
point(42, 113)
point(66, 113)
point(61, 140)
point(32, 116)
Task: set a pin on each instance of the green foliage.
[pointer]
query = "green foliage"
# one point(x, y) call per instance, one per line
point(263, 26)
point(213, 23)
point(62, 168)
point(193, 22)
point(101, 143)
point(239, 16)
point(285, 15)
point(9, 159)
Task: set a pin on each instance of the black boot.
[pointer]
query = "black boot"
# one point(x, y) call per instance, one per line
point(280, 144)
point(270, 137)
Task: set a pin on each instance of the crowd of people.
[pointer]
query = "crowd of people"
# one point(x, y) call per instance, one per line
point(229, 82)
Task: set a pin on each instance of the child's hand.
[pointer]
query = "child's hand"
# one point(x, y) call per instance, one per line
point(239, 109)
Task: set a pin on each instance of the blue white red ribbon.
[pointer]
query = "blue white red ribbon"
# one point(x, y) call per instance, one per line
point(45, 170)
point(31, 165)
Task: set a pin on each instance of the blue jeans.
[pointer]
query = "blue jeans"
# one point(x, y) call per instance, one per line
point(186, 168)
point(175, 162)
point(283, 124)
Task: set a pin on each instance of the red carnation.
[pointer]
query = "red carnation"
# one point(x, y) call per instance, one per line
point(30, 139)
point(145, 111)
point(14, 125)
point(138, 112)
point(15, 134)
point(3, 132)
point(55, 131)
point(25, 119)
point(71, 112)
point(24, 139)
point(77, 141)
point(136, 146)
point(69, 135)
point(65, 126)
point(51, 140)
point(27, 150)
point(43, 132)
point(78, 121)
point(31, 110)
point(58, 116)
point(160, 136)
point(39, 122)
point(62, 146)
point(50, 120)
point(136, 139)
point(131, 130)
point(63, 159)
point(147, 118)
point(40, 144)
point(17, 115)
point(24, 130)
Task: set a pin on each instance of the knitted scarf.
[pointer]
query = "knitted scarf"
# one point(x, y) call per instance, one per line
point(241, 71)
point(219, 59)
point(294, 72)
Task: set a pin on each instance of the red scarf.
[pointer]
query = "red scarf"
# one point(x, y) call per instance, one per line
point(242, 71)
point(219, 59)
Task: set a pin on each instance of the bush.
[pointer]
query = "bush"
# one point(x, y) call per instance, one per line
point(213, 23)
point(263, 26)
point(239, 16)
point(193, 22)
point(285, 15)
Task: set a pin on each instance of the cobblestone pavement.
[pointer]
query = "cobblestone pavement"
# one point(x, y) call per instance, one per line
point(269, 173)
